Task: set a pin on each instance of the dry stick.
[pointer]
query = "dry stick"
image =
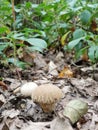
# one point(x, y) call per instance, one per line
point(14, 18)
point(19, 76)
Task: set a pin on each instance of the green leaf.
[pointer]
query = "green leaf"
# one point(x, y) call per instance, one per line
point(37, 42)
point(72, 3)
point(75, 109)
point(85, 16)
point(73, 43)
point(3, 45)
point(17, 63)
point(96, 53)
point(81, 52)
point(78, 33)
point(19, 36)
point(91, 53)
point(35, 48)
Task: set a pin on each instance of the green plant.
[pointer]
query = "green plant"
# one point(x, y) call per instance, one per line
point(15, 41)
point(85, 34)
point(70, 23)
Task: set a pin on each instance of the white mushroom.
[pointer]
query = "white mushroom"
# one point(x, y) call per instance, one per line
point(26, 89)
point(47, 95)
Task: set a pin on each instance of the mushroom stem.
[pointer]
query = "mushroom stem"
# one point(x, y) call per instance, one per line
point(47, 107)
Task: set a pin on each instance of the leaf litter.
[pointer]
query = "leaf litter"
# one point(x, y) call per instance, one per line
point(20, 113)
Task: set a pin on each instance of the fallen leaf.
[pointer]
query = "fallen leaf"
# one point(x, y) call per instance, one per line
point(93, 122)
point(2, 100)
point(39, 61)
point(3, 85)
point(5, 127)
point(59, 56)
point(86, 87)
point(66, 89)
point(36, 126)
point(10, 113)
point(52, 69)
point(66, 73)
point(61, 124)
point(75, 109)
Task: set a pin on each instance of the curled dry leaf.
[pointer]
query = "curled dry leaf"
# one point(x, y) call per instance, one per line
point(3, 85)
point(75, 109)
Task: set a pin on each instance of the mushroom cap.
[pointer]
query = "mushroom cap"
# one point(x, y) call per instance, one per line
point(28, 88)
point(47, 94)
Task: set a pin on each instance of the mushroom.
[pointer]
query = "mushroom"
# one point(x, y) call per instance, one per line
point(26, 89)
point(47, 95)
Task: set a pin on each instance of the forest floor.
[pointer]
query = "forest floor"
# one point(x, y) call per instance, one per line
point(73, 78)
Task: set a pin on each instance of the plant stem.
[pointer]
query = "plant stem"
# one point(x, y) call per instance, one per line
point(13, 12)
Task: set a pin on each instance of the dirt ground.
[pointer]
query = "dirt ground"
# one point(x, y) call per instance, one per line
point(76, 79)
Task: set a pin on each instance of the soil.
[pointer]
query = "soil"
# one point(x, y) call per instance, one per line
point(18, 112)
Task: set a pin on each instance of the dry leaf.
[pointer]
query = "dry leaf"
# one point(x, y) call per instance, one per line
point(5, 127)
point(86, 87)
point(85, 56)
point(75, 109)
point(59, 56)
point(4, 86)
point(61, 124)
point(39, 61)
point(66, 73)
point(10, 113)
point(36, 126)
point(93, 122)
point(52, 69)
point(2, 100)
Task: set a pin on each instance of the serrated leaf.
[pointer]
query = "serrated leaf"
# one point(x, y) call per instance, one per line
point(73, 43)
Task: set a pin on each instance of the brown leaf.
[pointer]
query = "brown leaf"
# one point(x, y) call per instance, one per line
point(5, 127)
point(66, 73)
point(3, 85)
point(93, 25)
point(85, 56)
